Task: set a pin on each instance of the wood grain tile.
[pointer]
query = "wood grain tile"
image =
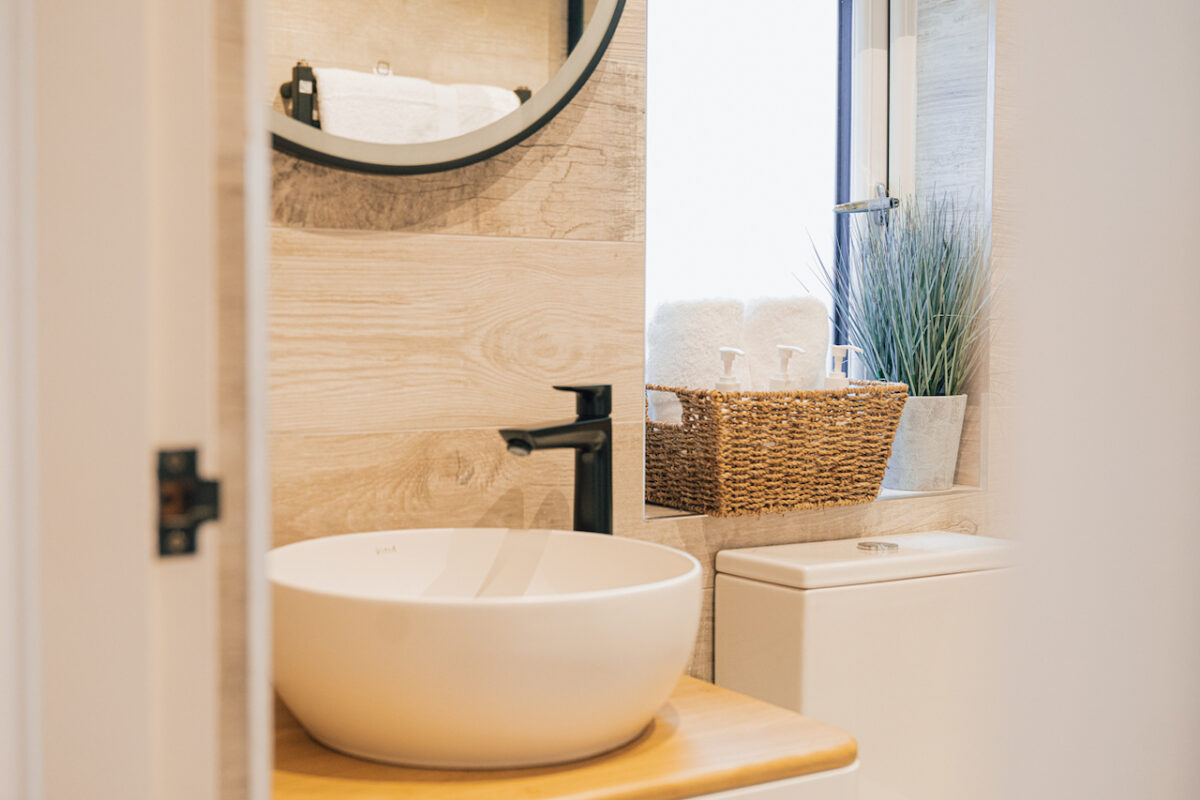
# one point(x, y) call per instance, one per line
point(704, 537)
point(969, 471)
point(629, 44)
point(384, 332)
point(702, 656)
point(507, 43)
point(952, 112)
point(332, 484)
point(580, 177)
point(413, 316)
point(233, 760)
point(1004, 469)
point(327, 485)
point(1004, 325)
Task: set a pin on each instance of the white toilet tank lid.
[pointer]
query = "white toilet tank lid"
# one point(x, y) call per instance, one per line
point(845, 562)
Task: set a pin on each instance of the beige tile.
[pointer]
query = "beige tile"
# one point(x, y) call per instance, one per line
point(506, 43)
point(399, 345)
point(704, 537)
point(1003, 469)
point(1003, 345)
point(580, 177)
point(702, 657)
point(969, 471)
point(385, 332)
point(233, 765)
point(326, 485)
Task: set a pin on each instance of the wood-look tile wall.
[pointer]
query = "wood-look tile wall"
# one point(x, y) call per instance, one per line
point(951, 150)
point(952, 74)
point(507, 43)
point(413, 316)
point(231, 64)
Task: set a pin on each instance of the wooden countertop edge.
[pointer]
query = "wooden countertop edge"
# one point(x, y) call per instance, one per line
point(733, 778)
point(355, 780)
point(709, 783)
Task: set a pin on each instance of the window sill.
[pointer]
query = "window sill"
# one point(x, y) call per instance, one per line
point(655, 512)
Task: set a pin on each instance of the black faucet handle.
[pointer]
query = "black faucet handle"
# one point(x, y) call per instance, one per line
point(593, 401)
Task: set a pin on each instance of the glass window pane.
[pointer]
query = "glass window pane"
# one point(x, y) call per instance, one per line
point(741, 151)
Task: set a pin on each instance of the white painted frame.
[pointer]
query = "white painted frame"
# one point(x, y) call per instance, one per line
point(883, 94)
point(260, 695)
point(869, 98)
point(108, 657)
point(83, 311)
point(20, 736)
point(899, 107)
point(902, 98)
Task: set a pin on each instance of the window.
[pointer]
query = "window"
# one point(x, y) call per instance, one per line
point(742, 127)
point(762, 116)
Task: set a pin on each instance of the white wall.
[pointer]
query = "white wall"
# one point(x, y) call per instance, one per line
point(740, 147)
point(18, 683)
point(95, 482)
point(1097, 110)
point(123, 224)
point(181, 230)
point(10, 645)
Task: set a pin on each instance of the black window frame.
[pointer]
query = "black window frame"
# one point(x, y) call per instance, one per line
point(841, 223)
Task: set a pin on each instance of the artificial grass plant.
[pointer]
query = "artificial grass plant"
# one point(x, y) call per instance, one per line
point(917, 292)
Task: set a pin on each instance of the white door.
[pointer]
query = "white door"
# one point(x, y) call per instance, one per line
point(14, 668)
point(108, 652)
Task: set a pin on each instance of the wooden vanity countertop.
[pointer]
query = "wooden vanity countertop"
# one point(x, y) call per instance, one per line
point(704, 739)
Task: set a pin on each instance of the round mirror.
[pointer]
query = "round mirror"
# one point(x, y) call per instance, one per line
point(411, 86)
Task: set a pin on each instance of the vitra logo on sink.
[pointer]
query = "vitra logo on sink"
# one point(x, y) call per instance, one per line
point(379, 551)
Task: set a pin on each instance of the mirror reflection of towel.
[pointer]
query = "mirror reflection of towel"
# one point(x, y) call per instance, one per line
point(799, 321)
point(395, 109)
point(683, 342)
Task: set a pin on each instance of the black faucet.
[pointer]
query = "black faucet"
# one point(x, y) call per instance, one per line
point(591, 436)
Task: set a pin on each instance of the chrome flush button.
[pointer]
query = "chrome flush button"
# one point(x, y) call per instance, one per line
point(879, 547)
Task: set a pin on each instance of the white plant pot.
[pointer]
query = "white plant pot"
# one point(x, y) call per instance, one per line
point(925, 451)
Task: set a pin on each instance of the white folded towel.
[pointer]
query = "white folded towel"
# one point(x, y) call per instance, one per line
point(478, 105)
point(396, 109)
point(387, 109)
point(683, 344)
point(799, 321)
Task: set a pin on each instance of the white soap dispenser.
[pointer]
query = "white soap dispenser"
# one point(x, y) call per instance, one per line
point(780, 382)
point(837, 379)
point(727, 382)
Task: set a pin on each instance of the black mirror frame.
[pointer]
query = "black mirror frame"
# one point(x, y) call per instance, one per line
point(303, 141)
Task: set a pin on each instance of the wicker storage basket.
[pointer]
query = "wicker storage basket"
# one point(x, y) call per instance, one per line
point(743, 453)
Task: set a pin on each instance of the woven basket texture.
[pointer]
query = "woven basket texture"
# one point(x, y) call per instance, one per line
point(750, 453)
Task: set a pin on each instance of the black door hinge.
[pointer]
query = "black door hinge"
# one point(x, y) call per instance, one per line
point(184, 501)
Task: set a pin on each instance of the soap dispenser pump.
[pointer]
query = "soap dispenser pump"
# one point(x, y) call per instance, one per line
point(727, 382)
point(780, 382)
point(837, 378)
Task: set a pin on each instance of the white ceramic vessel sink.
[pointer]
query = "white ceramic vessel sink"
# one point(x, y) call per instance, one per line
point(478, 648)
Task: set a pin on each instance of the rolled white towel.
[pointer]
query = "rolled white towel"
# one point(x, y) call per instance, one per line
point(369, 107)
point(799, 321)
point(397, 109)
point(683, 344)
point(478, 105)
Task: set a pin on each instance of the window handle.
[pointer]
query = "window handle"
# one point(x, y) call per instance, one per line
point(880, 203)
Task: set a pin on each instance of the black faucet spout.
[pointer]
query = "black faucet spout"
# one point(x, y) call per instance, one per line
point(591, 437)
point(580, 434)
